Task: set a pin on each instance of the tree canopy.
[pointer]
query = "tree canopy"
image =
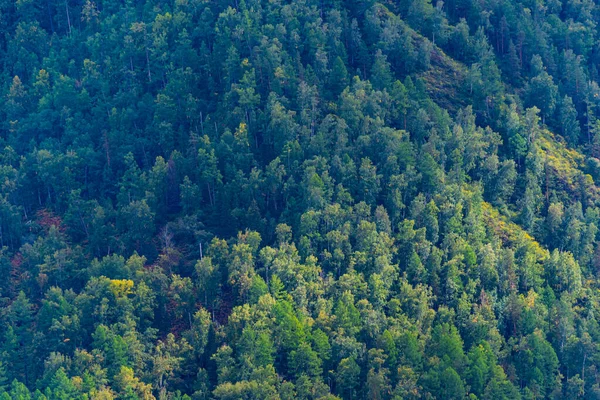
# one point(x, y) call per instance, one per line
point(299, 199)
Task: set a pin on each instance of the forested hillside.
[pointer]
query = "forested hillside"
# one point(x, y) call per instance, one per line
point(310, 199)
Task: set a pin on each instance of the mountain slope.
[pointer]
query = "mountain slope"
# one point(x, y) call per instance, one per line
point(308, 199)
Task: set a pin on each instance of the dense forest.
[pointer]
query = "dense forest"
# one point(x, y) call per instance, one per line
point(308, 199)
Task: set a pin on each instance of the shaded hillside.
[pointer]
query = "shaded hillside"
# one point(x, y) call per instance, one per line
point(299, 200)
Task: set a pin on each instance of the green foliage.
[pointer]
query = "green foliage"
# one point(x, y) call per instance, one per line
point(299, 200)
